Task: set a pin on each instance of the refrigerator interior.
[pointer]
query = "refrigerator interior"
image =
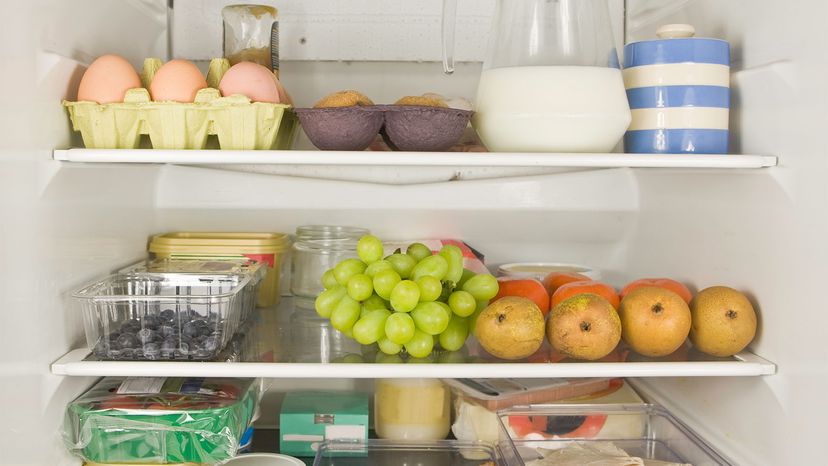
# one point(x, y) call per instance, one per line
point(755, 230)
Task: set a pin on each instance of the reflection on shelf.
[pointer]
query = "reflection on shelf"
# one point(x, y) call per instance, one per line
point(290, 340)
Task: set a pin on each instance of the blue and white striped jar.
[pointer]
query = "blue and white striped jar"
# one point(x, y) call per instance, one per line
point(679, 93)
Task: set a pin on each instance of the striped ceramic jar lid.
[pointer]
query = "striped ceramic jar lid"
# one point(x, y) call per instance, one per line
point(678, 88)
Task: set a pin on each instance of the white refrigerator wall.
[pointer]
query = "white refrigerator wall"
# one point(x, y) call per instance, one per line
point(763, 232)
point(62, 224)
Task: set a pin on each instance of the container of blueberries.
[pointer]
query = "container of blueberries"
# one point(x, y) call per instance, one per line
point(164, 316)
point(208, 268)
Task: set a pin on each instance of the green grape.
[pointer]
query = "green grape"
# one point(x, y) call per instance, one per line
point(431, 318)
point(402, 264)
point(360, 287)
point(399, 328)
point(430, 288)
point(369, 248)
point(376, 267)
point(434, 266)
point(444, 306)
point(418, 251)
point(347, 269)
point(384, 283)
point(389, 347)
point(482, 305)
point(462, 303)
point(467, 274)
point(345, 314)
point(405, 296)
point(454, 336)
point(370, 328)
point(454, 257)
point(483, 286)
point(420, 344)
point(375, 302)
point(328, 279)
point(327, 300)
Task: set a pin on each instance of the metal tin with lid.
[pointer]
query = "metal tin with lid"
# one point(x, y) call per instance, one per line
point(678, 87)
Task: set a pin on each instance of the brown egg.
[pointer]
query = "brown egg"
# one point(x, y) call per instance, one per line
point(251, 80)
point(107, 79)
point(177, 80)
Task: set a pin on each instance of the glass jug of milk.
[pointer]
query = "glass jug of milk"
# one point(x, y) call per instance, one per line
point(551, 79)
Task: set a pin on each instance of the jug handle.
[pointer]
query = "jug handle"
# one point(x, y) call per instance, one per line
point(449, 25)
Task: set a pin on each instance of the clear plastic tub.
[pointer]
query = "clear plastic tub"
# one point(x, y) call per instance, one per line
point(394, 453)
point(164, 316)
point(255, 271)
point(641, 430)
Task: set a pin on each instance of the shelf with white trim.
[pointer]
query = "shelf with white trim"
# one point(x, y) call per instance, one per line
point(403, 168)
point(290, 341)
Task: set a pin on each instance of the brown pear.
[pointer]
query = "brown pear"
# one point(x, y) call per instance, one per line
point(584, 326)
point(724, 321)
point(510, 328)
point(655, 321)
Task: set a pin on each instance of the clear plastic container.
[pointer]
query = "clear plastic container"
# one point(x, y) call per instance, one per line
point(412, 409)
point(162, 316)
point(649, 432)
point(255, 271)
point(161, 420)
point(392, 453)
point(267, 248)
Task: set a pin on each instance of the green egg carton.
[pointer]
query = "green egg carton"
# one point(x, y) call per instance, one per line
point(238, 123)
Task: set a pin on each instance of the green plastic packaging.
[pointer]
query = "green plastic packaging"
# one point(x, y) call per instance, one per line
point(237, 123)
point(161, 420)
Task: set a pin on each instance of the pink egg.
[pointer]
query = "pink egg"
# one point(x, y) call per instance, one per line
point(177, 80)
point(251, 80)
point(107, 79)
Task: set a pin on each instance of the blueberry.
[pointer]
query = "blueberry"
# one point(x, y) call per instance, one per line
point(165, 330)
point(138, 353)
point(167, 315)
point(127, 353)
point(190, 329)
point(131, 325)
point(184, 347)
point(202, 354)
point(210, 344)
point(114, 353)
point(151, 350)
point(127, 340)
point(145, 335)
point(151, 322)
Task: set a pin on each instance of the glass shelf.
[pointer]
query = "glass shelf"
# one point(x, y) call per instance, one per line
point(291, 341)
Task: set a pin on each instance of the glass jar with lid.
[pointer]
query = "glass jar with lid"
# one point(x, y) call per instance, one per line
point(316, 249)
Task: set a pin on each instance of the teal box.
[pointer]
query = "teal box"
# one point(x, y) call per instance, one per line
point(309, 418)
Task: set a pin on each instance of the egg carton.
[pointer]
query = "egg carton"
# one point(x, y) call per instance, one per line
point(238, 123)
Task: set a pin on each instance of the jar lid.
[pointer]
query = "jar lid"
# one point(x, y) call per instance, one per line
point(329, 232)
point(676, 44)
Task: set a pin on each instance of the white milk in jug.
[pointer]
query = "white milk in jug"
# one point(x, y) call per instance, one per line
point(551, 109)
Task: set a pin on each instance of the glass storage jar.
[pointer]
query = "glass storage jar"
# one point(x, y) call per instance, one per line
point(316, 249)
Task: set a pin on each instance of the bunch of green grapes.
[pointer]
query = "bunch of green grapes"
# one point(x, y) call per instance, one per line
point(408, 300)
